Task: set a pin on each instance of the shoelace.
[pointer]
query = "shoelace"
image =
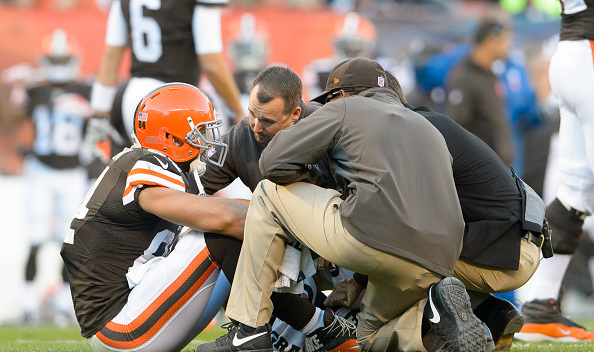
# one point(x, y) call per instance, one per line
point(224, 340)
point(345, 326)
point(229, 326)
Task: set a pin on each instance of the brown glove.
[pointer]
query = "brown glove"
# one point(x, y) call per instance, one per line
point(345, 294)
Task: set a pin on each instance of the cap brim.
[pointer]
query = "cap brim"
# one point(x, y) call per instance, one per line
point(322, 97)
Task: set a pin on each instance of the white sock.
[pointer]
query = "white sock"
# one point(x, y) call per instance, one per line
point(31, 299)
point(316, 322)
point(546, 281)
point(63, 299)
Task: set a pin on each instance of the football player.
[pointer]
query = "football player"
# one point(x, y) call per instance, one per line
point(138, 281)
point(170, 41)
point(58, 106)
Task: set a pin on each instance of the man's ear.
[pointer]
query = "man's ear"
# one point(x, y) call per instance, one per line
point(296, 113)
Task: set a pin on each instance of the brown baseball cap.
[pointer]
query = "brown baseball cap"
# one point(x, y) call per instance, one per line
point(355, 72)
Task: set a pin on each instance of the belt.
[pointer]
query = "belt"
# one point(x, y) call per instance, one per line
point(537, 240)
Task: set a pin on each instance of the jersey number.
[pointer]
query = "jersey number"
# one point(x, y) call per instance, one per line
point(56, 132)
point(146, 33)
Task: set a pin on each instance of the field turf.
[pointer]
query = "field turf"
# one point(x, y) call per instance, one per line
point(47, 338)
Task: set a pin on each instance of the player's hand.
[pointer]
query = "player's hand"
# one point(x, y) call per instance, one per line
point(321, 264)
point(98, 129)
point(345, 294)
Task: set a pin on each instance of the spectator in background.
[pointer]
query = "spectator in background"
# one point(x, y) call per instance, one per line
point(171, 41)
point(475, 93)
point(56, 181)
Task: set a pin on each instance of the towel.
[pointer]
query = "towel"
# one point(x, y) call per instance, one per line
point(296, 265)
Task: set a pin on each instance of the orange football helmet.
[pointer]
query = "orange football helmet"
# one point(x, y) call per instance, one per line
point(178, 120)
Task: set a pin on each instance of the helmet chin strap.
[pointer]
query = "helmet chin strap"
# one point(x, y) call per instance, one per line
point(135, 141)
point(198, 168)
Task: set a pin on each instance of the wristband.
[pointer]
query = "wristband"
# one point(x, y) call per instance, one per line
point(102, 97)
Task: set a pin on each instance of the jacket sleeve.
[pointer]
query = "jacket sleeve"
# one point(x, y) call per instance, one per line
point(292, 153)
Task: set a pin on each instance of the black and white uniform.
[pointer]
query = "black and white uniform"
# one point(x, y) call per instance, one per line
point(164, 38)
point(56, 181)
point(571, 74)
point(135, 283)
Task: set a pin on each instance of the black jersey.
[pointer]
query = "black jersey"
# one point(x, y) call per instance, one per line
point(111, 233)
point(577, 20)
point(58, 113)
point(161, 40)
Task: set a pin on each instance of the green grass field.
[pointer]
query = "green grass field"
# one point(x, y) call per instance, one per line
point(54, 339)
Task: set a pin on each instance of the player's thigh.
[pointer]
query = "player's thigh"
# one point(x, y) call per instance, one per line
point(164, 308)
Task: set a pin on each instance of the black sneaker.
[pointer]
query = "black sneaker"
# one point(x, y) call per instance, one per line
point(544, 322)
point(503, 319)
point(337, 334)
point(239, 339)
point(450, 323)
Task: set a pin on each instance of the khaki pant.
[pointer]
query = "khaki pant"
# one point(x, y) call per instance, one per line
point(482, 280)
point(392, 308)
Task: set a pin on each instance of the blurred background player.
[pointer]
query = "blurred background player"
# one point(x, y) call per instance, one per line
point(56, 181)
point(249, 51)
point(571, 76)
point(170, 41)
point(354, 35)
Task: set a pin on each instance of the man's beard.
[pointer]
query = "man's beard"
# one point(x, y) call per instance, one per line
point(262, 139)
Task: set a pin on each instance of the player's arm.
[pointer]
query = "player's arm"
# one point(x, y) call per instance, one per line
point(104, 88)
point(107, 79)
point(208, 214)
point(245, 202)
point(219, 75)
point(209, 48)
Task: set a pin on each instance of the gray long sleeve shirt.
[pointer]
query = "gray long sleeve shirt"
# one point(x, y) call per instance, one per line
point(399, 191)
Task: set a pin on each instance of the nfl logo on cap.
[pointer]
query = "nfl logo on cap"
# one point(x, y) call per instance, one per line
point(380, 81)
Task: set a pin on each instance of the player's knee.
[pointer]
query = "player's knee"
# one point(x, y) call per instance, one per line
point(566, 228)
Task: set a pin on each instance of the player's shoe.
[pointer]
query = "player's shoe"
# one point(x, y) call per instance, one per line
point(502, 318)
point(544, 322)
point(239, 339)
point(337, 334)
point(451, 324)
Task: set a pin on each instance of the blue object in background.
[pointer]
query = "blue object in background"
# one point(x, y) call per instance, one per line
point(521, 105)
